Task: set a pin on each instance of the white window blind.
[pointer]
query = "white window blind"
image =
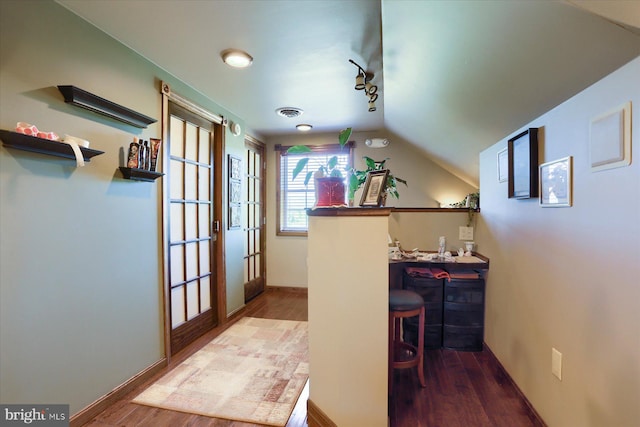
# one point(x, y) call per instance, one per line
point(295, 197)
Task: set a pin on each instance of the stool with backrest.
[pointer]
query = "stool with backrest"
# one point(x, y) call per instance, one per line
point(402, 355)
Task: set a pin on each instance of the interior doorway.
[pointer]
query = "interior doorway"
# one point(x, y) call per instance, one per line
point(254, 246)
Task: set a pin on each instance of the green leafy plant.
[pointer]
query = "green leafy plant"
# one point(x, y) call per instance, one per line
point(329, 169)
point(472, 203)
point(357, 178)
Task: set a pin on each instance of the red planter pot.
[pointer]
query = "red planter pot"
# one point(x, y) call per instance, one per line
point(330, 191)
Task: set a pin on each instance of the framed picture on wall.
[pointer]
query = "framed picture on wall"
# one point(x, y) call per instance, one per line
point(503, 165)
point(523, 164)
point(234, 199)
point(556, 183)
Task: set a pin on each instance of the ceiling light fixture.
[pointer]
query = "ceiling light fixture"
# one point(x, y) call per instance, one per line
point(304, 127)
point(363, 82)
point(236, 58)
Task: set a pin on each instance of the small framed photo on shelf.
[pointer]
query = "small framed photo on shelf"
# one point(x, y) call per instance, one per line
point(503, 165)
point(374, 188)
point(556, 183)
point(523, 165)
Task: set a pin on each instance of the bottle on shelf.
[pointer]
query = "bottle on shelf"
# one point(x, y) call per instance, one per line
point(134, 154)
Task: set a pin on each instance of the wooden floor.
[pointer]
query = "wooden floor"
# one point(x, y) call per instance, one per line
point(463, 389)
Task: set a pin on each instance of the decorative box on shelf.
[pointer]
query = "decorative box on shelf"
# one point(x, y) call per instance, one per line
point(34, 144)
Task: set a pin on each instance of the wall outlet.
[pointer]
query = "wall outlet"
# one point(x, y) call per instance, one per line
point(465, 233)
point(556, 363)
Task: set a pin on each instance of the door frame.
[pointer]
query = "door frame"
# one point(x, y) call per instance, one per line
point(219, 296)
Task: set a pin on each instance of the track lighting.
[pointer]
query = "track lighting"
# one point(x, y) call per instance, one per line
point(363, 82)
point(360, 82)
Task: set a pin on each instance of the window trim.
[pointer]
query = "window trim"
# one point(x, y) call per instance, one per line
point(281, 150)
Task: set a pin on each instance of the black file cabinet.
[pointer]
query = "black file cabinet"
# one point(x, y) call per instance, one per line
point(431, 290)
point(463, 314)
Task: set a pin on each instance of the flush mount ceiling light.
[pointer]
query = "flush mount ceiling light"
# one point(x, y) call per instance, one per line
point(363, 82)
point(304, 127)
point(289, 112)
point(236, 58)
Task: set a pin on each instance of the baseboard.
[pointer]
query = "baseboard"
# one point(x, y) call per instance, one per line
point(91, 411)
point(316, 417)
point(287, 288)
point(533, 411)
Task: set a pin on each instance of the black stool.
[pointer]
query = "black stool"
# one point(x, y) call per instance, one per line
point(402, 355)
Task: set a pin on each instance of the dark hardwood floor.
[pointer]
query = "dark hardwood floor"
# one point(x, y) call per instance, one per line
point(463, 389)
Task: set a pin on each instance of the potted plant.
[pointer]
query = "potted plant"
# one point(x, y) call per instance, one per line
point(328, 179)
point(472, 203)
point(357, 178)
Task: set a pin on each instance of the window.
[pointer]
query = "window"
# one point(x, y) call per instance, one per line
point(293, 198)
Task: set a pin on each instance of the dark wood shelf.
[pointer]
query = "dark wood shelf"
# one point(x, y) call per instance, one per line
point(82, 98)
point(449, 210)
point(34, 144)
point(136, 174)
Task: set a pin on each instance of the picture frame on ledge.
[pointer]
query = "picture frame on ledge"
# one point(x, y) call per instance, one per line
point(523, 165)
point(556, 182)
point(374, 188)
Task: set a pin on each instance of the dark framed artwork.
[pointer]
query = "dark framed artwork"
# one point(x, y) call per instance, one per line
point(374, 188)
point(234, 196)
point(523, 165)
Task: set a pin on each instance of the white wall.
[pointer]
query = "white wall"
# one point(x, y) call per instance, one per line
point(569, 277)
point(348, 343)
point(428, 185)
point(80, 253)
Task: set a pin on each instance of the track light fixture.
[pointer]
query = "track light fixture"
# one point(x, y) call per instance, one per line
point(363, 82)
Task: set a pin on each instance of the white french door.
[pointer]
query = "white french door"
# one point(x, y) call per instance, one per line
point(192, 229)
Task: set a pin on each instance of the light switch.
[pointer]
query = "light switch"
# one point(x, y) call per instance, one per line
point(465, 233)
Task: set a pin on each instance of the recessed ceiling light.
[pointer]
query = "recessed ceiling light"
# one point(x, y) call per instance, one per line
point(236, 58)
point(304, 127)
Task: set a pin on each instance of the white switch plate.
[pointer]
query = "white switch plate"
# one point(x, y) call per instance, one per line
point(556, 363)
point(465, 233)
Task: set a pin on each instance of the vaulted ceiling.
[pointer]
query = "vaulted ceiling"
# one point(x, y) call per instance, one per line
point(454, 77)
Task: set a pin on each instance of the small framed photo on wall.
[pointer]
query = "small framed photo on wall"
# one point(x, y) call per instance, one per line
point(503, 165)
point(556, 183)
point(234, 199)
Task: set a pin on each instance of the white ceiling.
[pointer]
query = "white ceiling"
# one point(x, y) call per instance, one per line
point(454, 76)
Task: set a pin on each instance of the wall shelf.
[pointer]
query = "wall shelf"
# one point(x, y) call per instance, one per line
point(82, 98)
point(43, 146)
point(140, 174)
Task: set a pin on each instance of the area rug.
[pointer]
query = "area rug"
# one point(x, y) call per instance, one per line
point(253, 372)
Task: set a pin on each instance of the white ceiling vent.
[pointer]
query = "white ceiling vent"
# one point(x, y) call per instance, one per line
point(289, 112)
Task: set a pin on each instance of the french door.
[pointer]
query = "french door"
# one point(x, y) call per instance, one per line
point(192, 228)
point(254, 247)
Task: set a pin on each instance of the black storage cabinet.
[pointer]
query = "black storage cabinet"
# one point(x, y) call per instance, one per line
point(463, 314)
point(431, 290)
